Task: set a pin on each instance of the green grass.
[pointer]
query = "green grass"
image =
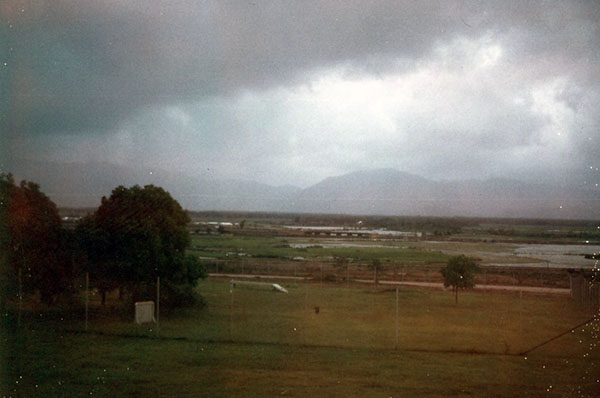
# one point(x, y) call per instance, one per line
point(227, 246)
point(275, 344)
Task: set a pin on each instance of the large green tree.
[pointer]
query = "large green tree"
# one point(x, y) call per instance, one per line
point(32, 241)
point(460, 273)
point(136, 235)
point(91, 251)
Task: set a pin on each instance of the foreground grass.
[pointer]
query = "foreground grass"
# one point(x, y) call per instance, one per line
point(129, 367)
point(273, 344)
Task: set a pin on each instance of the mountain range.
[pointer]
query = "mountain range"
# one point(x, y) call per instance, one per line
point(369, 192)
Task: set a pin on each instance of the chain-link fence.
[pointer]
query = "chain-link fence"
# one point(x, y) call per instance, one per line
point(311, 313)
point(335, 271)
point(327, 303)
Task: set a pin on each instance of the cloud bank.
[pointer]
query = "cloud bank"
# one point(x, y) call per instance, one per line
point(293, 92)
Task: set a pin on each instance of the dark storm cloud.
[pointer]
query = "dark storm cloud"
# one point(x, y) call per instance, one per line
point(83, 66)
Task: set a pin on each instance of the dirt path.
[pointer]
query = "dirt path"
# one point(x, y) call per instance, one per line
point(528, 289)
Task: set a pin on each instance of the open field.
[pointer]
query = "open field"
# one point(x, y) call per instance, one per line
point(225, 246)
point(329, 336)
point(400, 259)
point(472, 229)
point(260, 343)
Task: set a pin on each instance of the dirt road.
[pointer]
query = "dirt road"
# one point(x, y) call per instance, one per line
point(528, 289)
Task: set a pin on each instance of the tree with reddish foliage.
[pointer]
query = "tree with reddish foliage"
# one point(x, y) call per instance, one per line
point(32, 241)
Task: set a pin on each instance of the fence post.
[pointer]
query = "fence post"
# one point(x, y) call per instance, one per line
point(321, 273)
point(20, 296)
point(157, 305)
point(87, 298)
point(305, 312)
point(348, 275)
point(485, 279)
point(521, 315)
point(396, 346)
point(231, 313)
point(581, 289)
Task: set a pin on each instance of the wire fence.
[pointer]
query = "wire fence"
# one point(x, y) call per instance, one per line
point(314, 314)
point(585, 289)
point(324, 305)
point(331, 271)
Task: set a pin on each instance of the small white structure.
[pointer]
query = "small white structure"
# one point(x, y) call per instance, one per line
point(279, 288)
point(144, 312)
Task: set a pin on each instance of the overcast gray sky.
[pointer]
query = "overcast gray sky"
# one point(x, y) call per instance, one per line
point(291, 92)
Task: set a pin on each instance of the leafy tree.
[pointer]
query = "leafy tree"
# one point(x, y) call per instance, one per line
point(136, 235)
point(460, 273)
point(92, 252)
point(32, 241)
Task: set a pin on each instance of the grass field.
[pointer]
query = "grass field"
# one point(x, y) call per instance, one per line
point(223, 246)
point(263, 343)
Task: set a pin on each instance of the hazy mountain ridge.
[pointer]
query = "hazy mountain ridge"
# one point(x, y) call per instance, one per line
point(84, 184)
point(391, 192)
point(383, 192)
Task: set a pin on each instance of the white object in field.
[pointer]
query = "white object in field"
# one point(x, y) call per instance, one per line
point(273, 286)
point(144, 312)
point(279, 288)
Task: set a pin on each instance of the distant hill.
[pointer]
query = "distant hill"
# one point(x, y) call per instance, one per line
point(391, 192)
point(84, 184)
point(383, 192)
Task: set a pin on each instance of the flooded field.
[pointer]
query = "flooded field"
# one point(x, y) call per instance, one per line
point(560, 256)
point(493, 254)
point(524, 254)
point(341, 244)
point(349, 231)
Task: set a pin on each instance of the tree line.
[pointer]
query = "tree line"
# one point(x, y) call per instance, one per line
point(136, 235)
